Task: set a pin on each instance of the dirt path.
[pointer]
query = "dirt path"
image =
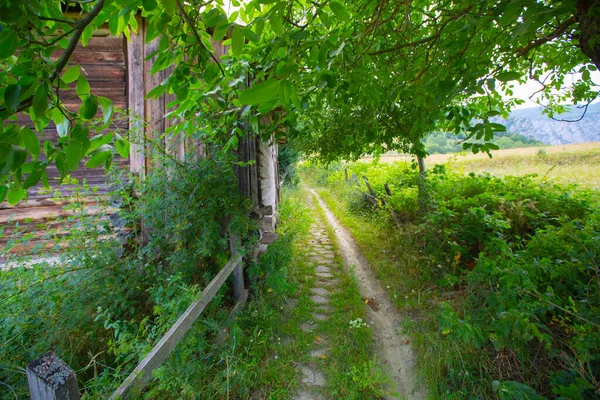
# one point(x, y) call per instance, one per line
point(321, 256)
point(393, 348)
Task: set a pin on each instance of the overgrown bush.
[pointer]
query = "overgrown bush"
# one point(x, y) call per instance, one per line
point(519, 260)
point(107, 302)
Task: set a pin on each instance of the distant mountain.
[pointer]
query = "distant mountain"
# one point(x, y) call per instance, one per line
point(532, 123)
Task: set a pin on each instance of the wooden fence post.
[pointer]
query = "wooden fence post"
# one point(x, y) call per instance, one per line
point(238, 271)
point(50, 378)
point(355, 179)
point(387, 189)
point(346, 174)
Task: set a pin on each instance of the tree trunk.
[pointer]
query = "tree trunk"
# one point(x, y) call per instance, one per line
point(423, 195)
point(588, 17)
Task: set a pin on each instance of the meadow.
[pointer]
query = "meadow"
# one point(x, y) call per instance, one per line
point(564, 164)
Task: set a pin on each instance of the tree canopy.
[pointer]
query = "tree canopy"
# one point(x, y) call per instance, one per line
point(344, 78)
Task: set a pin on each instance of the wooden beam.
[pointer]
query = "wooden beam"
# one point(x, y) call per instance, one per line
point(143, 372)
point(154, 108)
point(135, 99)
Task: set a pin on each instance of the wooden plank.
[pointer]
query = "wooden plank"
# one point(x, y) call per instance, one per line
point(154, 108)
point(48, 213)
point(102, 44)
point(135, 99)
point(103, 72)
point(85, 200)
point(143, 372)
point(101, 56)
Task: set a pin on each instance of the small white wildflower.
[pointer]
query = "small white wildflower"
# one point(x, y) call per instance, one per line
point(413, 291)
point(466, 373)
point(395, 296)
point(406, 297)
point(276, 357)
point(388, 286)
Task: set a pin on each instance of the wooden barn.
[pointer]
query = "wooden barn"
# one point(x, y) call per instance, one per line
point(117, 69)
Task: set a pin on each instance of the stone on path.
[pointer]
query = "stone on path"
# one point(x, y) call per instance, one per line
point(306, 395)
point(311, 376)
point(320, 317)
point(325, 275)
point(318, 353)
point(308, 327)
point(319, 299)
point(320, 291)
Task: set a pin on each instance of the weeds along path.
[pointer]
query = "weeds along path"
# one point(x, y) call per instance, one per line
point(392, 348)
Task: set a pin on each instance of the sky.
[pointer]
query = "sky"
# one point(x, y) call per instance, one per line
point(525, 90)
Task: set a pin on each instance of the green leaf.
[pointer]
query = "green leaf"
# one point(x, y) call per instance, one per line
point(497, 127)
point(11, 97)
point(33, 178)
point(71, 74)
point(149, 5)
point(585, 75)
point(74, 154)
point(285, 92)
point(284, 69)
point(83, 87)
point(9, 43)
point(169, 5)
point(220, 31)
point(89, 107)
point(336, 52)
point(237, 41)
point(106, 105)
point(123, 147)
point(15, 195)
point(3, 192)
point(156, 92)
point(99, 157)
point(508, 76)
point(276, 23)
point(45, 181)
point(339, 11)
point(40, 101)
point(62, 122)
point(260, 93)
point(31, 142)
point(213, 18)
point(19, 156)
point(250, 34)
point(49, 148)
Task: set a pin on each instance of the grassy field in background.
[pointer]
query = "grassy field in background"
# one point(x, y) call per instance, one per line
point(564, 164)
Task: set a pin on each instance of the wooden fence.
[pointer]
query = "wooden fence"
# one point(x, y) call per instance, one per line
point(51, 378)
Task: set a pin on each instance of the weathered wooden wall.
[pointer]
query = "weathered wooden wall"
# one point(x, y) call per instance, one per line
point(119, 69)
point(102, 62)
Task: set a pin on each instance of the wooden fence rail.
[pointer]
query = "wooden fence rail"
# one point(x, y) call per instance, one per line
point(44, 386)
point(143, 372)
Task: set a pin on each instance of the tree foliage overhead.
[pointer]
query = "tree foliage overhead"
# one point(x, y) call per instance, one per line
point(346, 78)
